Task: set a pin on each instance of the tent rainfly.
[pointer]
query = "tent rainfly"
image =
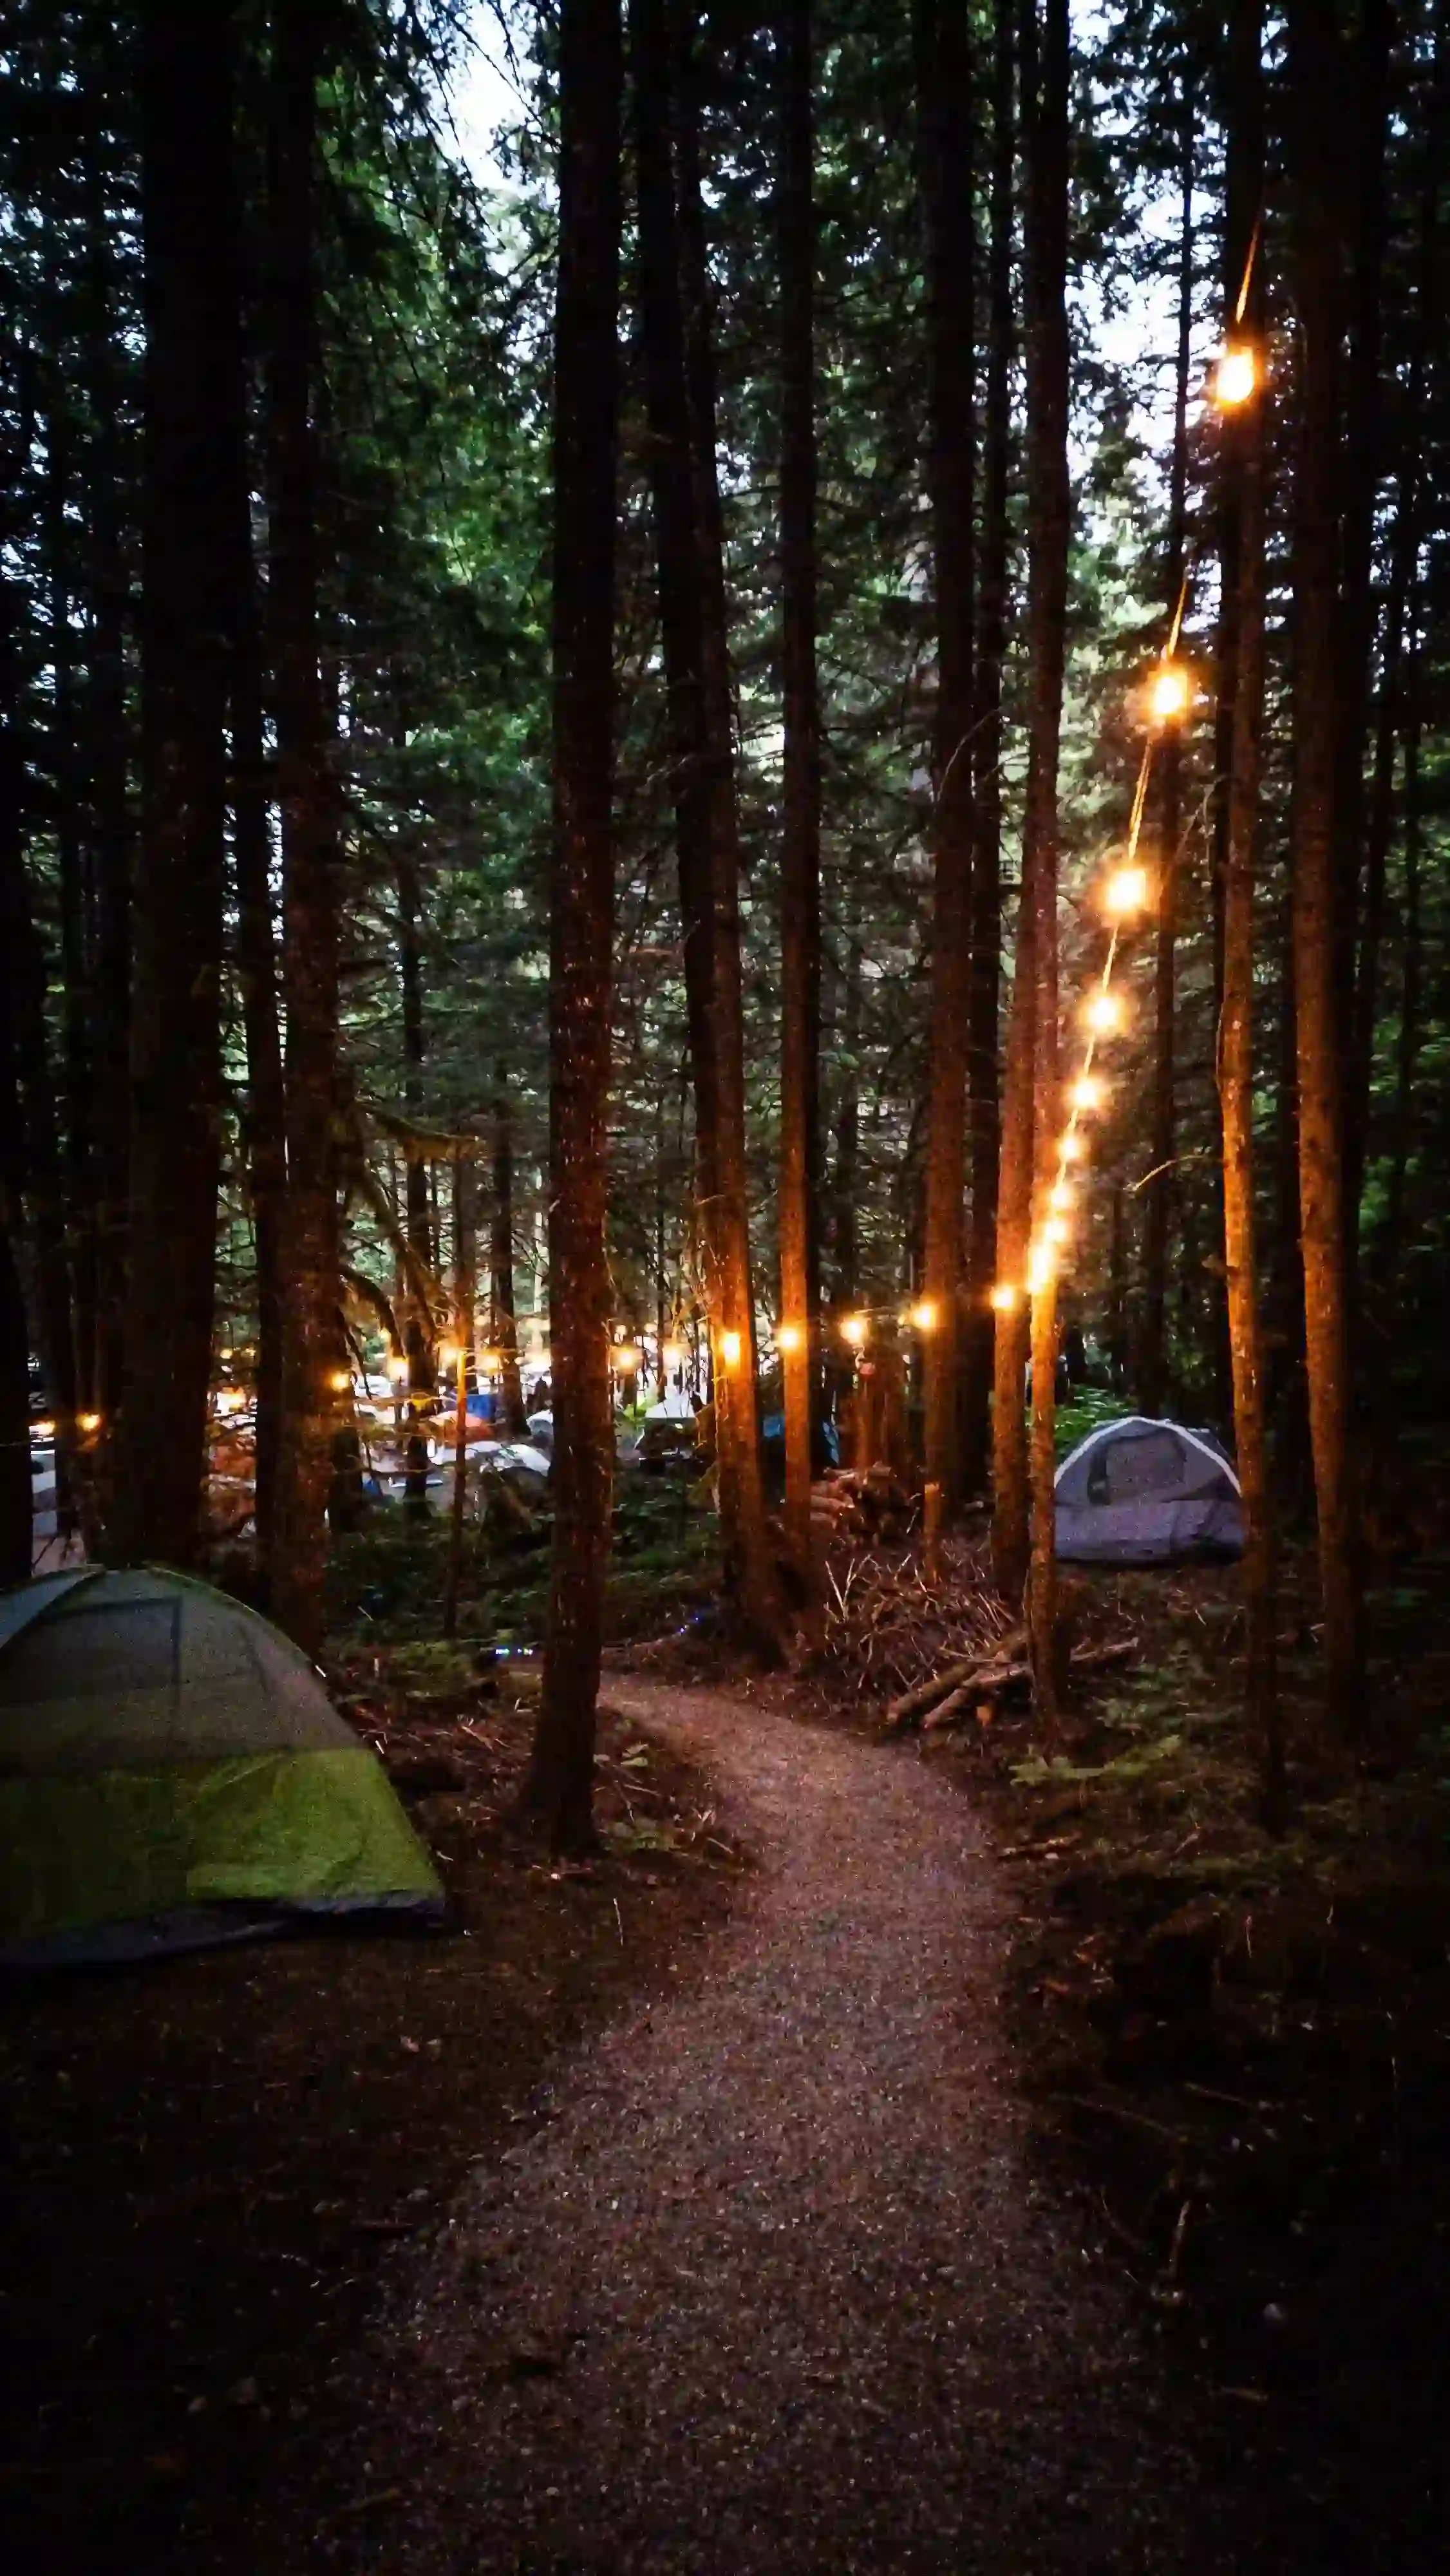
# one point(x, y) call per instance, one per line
point(173, 1774)
point(1137, 1492)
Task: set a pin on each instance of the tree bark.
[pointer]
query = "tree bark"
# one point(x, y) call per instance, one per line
point(1153, 1385)
point(800, 1122)
point(1236, 1027)
point(418, 1339)
point(1315, 78)
point(503, 1327)
point(559, 1791)
point(1031, 1112)
point(307, 795)
point(944, 82)
point(109, 824)
point(264, 1120)
point(463, 1307)
point(190, 296)
point(1404, 551)
point(984, 1001)
point(1050, 501)
point(1359, 483)
point(680, 388)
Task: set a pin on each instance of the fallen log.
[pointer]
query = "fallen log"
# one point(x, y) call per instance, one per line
point(924, 1695)
point(983, 1684)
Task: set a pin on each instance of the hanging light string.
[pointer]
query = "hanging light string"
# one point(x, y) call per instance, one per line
point(1126, 896)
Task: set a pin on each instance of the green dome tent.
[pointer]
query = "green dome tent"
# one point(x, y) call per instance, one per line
point(172, 1773)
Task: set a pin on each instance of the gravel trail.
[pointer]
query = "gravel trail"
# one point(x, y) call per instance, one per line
point(773, 2288)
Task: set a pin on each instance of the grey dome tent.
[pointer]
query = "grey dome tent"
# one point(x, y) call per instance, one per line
point(172, 1774)
point(1137, 1492)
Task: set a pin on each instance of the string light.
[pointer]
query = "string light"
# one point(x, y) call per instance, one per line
point(626, 1358)
point(1003, 1298)
point(339, 1381)
point(1104, 1013)
point(1169, 693)
point(1087, 1093)
point(924, 1315)
point(1127, 891)
point(789, 1337)
point(1070, 1147)
point(854, 1330)
point(1057, 1232)
point(448, 1355)
point(730, 1349)
point(1060, 1198)
point(398, 1369)
point(1236, 377)
point(1041, 1270)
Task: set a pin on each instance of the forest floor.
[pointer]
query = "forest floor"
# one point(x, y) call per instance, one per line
point(210, 2162)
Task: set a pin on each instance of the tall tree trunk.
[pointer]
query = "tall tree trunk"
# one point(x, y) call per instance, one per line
point(1050, 528)
point(307, 796)
point(680, 394)
point(749, 1564)
point(1359, 483)
point(944, 82)
point(984, 1000)
point(503, 1327)
point(464, 1300)
point(1236, 1028)
point(1390, 1245)
point(1157, 1215)
point(560, 1785)
point(264, 1121)
point(79, 1081)
point(191, 291)
point(1404, 550)
point(1243, 215)
point(418, 1214)
point(1316, 83)
point(16, 1510)
point(800, 868)
point(109, 824)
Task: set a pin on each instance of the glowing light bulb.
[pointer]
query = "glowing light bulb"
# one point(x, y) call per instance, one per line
point(1103, 1013)
point(1060, 1198)
point(1070, 1146)
point(1041, 1270)
point(1087, 1093)
point(1236, 377)
point(1056, 1232)
point(1126, 892)
point(626, 1358)
point(339, 1381)
point(924, 1315)
point(398, 1369)
point(1169, 692)
point(1003, 1299)
point(730, 1349)
point(789, 1337)
point(853, 1330)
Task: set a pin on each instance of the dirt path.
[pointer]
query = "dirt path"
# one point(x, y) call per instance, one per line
point(772, 2288)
